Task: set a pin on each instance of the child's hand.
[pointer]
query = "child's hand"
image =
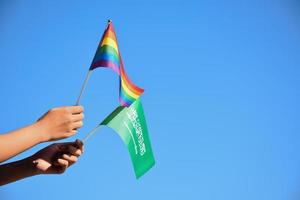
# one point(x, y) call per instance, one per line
point(59, 123)
point(56, 158)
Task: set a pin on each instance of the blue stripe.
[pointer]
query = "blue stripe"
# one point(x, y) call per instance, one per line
point(106, 56)
point(125, 99)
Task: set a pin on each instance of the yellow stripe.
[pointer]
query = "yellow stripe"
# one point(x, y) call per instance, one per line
point(128, 91)
point(110, 42)
point(112, 35)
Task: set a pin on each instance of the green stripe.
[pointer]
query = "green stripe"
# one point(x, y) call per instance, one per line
point(110, 50)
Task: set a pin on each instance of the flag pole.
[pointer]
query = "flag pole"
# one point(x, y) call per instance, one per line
point(79, 97)
point(90, 134)
point(87, 77)
point(83, 86)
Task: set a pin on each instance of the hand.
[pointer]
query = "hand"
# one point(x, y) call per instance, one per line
point(56, 158)
point(61, 122)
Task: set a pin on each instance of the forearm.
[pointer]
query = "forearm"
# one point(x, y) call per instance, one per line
point(14, 171)
point(17, 141)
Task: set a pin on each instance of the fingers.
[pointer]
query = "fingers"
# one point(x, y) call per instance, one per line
point(77, 125)
point(61, 165)
point(77, 117)
point(77, 121)
point(80, 145)
point(56, 158)
point(70, 158)
point(74, 148)
point(74, 151)
point(66, 160)
point(61, 122)
point(76, 109)
point(62, 162)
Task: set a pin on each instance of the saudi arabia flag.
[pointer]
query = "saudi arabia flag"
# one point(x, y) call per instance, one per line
point(130, 124)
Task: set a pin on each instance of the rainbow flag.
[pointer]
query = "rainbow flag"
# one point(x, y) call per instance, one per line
point(108, 55)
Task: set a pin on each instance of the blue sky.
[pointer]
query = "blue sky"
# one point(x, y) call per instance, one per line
point(221, 101)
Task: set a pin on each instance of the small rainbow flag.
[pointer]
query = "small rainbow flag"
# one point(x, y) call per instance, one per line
point(108, 55)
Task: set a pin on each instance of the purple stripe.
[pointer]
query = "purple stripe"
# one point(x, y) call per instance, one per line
point(105, 63)
point(123, 103)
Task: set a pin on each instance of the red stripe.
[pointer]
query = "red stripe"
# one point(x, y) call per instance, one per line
point(130, 85)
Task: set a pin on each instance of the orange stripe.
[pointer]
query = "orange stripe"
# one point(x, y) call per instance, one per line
point(111, 34)
point(129, 84)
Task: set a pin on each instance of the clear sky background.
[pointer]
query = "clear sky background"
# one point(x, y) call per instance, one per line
point(222, 95)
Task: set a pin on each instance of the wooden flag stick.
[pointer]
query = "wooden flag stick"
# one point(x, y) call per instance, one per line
point(83, 86)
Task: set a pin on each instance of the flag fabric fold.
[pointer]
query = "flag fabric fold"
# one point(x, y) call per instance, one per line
point(108, 55)
point(130, 124)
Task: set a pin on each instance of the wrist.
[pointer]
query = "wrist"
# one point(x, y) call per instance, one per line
point(17, 170)
point(40, 132)
point(23, 168)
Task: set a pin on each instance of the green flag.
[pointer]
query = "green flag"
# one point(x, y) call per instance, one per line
point(131, 126)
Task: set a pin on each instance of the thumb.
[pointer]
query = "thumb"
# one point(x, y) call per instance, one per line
point(41, 164)
point(79, 143)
